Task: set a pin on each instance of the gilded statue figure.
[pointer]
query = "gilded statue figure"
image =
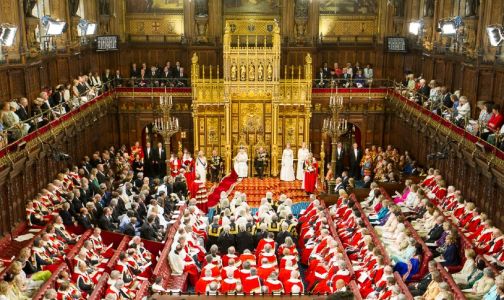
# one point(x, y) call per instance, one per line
point(260, 72)
point(233, 72)
point(269, 73)
point(243, 73)
point(251, 72)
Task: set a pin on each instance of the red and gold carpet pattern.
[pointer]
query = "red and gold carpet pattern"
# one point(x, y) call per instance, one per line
point(256, 189)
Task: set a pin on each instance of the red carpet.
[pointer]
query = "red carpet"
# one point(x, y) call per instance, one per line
point(256, 189)
point(224, 186)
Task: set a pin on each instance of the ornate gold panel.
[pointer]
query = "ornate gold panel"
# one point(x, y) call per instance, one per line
point(350, 26)
point(162, 25)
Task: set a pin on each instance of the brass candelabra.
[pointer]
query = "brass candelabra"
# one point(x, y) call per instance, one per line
point(166, 125)
point(335, 126)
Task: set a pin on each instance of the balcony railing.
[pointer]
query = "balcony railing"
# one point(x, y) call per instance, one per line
point(403, 99)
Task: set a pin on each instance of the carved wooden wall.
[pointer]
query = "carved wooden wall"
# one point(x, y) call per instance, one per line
point(476, 81)
point(468, 169)
point(26, 174)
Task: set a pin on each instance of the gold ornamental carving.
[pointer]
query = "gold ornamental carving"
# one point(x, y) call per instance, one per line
point(249, 92)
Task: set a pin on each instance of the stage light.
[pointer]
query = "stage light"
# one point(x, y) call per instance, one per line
point(448, 28)
point(415, 27)
point(86, 27)
point(53, 27)
point(7, 34)
point(495, 34)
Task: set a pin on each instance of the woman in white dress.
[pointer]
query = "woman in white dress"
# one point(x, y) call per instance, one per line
point(287, 170)
point(241, 163)
point(201, 166)
point(303, 153)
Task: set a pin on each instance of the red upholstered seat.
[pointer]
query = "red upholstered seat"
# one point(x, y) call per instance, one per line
point(100, 288)
point(448, 279)
point(50, 283)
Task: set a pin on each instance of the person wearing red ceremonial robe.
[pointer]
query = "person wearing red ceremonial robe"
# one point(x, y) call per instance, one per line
point(291, 283)
point(273, 284)
point(199, 192)
point(175, 165)
point(201, 286)
point(252, 283)
point(136, 149)
point(228, 285)
point(310, 174)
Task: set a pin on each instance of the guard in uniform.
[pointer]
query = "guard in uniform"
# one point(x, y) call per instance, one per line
point(274, 226)
point(261, 162)
point(213, 233)
point(216, 164)
point(233, 228)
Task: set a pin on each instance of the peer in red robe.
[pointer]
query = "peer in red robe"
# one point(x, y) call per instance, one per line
point(252, 283)
point(203, 282)
point(274, 285)
point(228, 285)
point(294, 281)
point(175, 165)
point(310, 175)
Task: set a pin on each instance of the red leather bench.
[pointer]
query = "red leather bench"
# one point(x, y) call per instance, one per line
point(100, 288)
point(76, 248)
point(143, 291)
point(457, 293)
point(403, 286)
point(122, 246)
point(50, 283)
point(427, 254)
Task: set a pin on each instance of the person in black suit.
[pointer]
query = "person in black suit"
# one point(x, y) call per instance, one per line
point(244, 240)
point(423, 91)
point(436, 231)
point(57, 97)
point(226, 239)
point(153, 76)
point(283, 234)
point(117, 80)
point(106, 221)
point(166, 76)
point(85, 219)
point(107, 79)
point(340, 156)
point(451, 255)
point(419, 288)
point(338, 185)
point(22, 111)
point(180, 186)
point(129, 228)
point(149, 159)
point(160, 161)
point(134, 71)
point(344, 179)
point(326, 71)
point(147, 230)
point(355, 159)
point(66, 215)
point(142, 209)
point(101, 176)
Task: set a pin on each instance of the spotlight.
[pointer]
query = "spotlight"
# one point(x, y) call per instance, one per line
point(415, 27)
point(53, 27)
point(86, 27)
point(450, 26)
point(7, 34)
point(495, 34)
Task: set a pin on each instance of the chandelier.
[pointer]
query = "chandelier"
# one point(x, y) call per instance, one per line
point(166, 125)
point(335, 126)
